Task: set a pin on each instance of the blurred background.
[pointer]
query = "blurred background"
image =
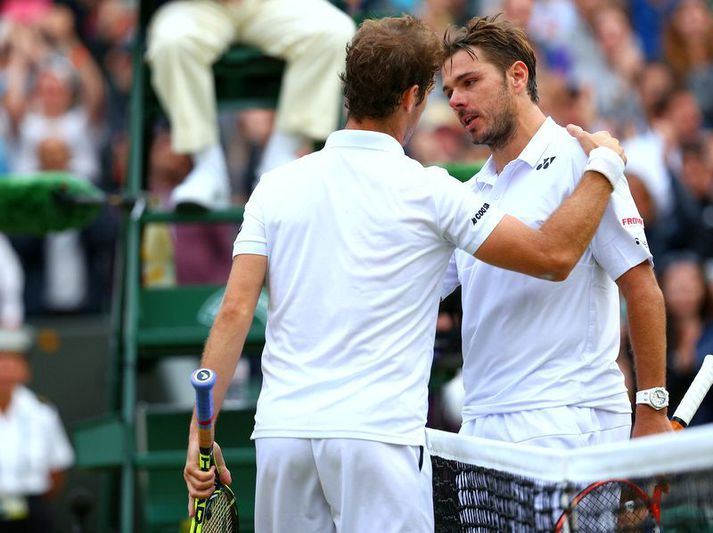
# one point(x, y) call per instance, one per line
point(642, 69)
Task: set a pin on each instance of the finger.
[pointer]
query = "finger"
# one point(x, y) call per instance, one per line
point(191, 507)
point(194, 474)
point(224, 473)
point(200, 484)
point(575, 131)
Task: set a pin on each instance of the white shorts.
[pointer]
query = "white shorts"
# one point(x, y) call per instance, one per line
point(554, 427)
point(341, 485)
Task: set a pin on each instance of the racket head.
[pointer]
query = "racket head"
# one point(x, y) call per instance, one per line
point(611, 505)
point(221, 512)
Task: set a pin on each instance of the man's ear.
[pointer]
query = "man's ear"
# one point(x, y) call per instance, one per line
point(409, 98)
point(518, 75)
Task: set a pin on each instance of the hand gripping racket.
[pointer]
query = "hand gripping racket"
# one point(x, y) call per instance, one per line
point(219, 512)
point(621, 505)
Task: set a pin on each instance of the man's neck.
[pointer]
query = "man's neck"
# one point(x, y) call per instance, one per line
point(5, 400)
point(390, 126)
point(528, 121)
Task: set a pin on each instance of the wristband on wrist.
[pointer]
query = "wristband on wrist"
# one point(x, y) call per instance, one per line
point(608, 163)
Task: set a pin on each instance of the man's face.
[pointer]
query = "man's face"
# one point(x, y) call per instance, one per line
point(13, 370)
point(477, 92)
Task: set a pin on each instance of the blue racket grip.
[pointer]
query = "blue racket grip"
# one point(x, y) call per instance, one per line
point(203, 380)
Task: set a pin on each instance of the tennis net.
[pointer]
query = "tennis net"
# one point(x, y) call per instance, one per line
point(658, 483)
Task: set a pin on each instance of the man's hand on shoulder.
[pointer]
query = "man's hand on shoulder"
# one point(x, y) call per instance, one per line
point(599, 139)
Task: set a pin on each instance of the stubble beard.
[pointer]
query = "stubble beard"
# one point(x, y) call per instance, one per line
point(502, 128)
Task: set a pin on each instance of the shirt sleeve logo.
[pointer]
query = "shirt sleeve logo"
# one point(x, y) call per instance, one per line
point(632, 221)
point(480, 213)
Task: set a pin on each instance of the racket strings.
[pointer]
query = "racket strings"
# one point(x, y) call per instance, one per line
point(612, 506)
point(221, 512)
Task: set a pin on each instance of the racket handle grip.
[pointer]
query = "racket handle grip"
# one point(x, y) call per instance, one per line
point(694, 395)
point(203, 381)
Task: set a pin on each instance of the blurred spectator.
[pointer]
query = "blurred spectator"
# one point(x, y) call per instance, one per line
point(647, 19)
point(690, 324)
point(34, 450)
point(614, 84)
point(25, 11)
point(654, 158)
point(568, 102)
point(550, 24)
point(197, 253)
point(254, 127)
point(55, 108)
point(655, 84)
point(115, 22)
point(186, 37)
point(12, 280)
point(696, 178)
point(439, 14)
point(688, 45)
point(65, 102)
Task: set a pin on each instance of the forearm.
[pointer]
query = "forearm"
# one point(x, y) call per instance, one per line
point(224, 347)
point(647, 332)
point(647, 326)
point(16, 88)
point(230, 328)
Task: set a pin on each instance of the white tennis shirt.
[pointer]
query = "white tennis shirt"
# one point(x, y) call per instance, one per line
point(33, 443)
point(358, 237)
point(530, 343)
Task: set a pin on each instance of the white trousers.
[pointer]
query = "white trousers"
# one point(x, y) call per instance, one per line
point(187, 36)
point(342, 485)
point(565, 427)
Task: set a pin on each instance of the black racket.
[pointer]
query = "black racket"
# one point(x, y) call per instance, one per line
point(219, 512)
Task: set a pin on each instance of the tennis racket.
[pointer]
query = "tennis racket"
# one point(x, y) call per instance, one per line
point(694, 395)
point(621, 505)
point(219, 512)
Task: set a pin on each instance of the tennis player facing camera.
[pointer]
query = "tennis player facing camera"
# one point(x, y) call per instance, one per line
point(539, 358)
point(352, 242)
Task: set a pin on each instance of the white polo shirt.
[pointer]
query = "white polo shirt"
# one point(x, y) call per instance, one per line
point(530, 343)
point(358, 237)
point(33, 443)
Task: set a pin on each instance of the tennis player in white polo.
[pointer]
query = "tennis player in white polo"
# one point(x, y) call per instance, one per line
point(539, 357)
point(353, 241)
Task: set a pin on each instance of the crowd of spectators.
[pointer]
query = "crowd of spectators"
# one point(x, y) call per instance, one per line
point(640, 68)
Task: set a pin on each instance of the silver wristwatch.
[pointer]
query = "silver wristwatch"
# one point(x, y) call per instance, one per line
point(656, 397)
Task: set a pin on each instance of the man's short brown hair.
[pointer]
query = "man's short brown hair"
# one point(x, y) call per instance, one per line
point(384, 59)
point(501, 42)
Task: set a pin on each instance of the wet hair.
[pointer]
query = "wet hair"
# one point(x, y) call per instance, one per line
point(385, 58)
point(499, 41)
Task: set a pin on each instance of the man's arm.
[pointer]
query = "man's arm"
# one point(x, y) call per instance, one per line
point(553, 251)
point(647, 331)
point(221, 354)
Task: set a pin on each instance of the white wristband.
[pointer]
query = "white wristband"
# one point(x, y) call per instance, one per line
point(608, 163)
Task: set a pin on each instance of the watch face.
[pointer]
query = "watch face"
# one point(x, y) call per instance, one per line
point(658, 398)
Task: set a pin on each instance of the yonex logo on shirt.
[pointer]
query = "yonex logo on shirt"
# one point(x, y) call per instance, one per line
point(546, 162)
point(480, 213)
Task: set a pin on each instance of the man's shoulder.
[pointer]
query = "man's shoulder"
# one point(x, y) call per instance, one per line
point(36, 404)
point(567, 146)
